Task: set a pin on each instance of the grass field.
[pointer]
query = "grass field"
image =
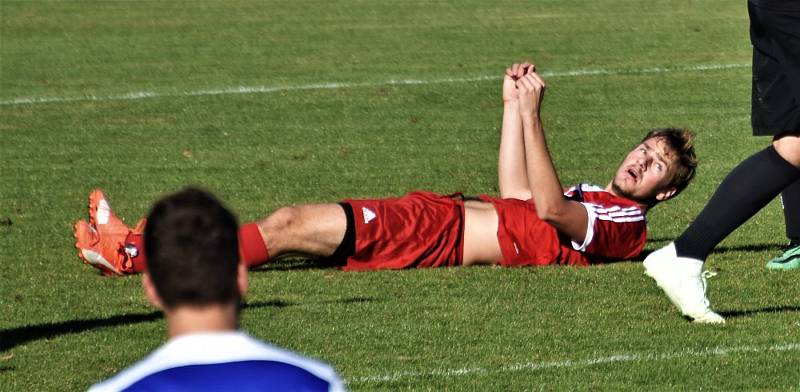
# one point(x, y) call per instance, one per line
point(270, 103)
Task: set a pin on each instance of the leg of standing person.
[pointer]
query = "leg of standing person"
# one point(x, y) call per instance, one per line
point(754, 182)
point(790, 258)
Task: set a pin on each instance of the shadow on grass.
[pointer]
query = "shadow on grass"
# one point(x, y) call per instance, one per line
point(770, 309)
point(10, 338)
point(268, 304)
point(720, 249)
point(13, 337)
point(749, 248)
point(298, 264)
point(282, 304)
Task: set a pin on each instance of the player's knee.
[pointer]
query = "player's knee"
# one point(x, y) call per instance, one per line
point(788, 147)
point(283, 221)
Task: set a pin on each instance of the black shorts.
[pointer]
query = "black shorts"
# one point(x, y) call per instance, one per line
point(775, 35)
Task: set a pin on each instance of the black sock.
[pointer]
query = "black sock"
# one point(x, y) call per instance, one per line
point(746, 189)
point(790, 197)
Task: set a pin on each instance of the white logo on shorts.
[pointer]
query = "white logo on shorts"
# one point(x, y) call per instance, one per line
point(368, 215)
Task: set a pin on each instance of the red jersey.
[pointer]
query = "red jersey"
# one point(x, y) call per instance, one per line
point(616, 230)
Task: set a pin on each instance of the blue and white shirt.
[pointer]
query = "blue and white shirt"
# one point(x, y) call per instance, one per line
point(225, 361)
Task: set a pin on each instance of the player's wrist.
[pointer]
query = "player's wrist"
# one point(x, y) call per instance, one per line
point(530, 118)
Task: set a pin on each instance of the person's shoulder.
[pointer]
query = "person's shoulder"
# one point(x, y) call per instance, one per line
point(595, 194)
point(290, 366)
point(151, 363)
point(237, 346)
point(267, 351)
point(612, 208)
point(213, 350)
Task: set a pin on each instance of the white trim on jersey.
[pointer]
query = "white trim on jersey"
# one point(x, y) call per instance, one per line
point(591, 188)
point(591, 217)
point(617, 214)
point(584, 188)
point(211, 348)
point(614, 214)
point(594, 212)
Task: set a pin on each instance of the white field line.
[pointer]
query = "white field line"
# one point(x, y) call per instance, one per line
point(570, 363)
point(329, 86)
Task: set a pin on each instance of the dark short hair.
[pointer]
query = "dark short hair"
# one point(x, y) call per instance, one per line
point(681, 141)
point(191, 243)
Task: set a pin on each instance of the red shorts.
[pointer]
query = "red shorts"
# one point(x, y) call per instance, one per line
point(418, 230)
point(526, 240)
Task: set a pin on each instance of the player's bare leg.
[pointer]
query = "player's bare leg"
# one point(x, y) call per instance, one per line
point(788, 147)
point(309, 229)
point(318, 230)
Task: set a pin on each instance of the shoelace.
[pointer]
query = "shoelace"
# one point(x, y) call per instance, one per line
point(708, 274)
point(705, 275)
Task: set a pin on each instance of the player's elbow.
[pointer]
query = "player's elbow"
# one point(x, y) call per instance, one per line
point(545, 214)
point(550, 213)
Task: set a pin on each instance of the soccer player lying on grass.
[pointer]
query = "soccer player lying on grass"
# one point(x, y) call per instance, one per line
point(534, 222)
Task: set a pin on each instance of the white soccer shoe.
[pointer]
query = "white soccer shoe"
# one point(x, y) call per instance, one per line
point(682, 280)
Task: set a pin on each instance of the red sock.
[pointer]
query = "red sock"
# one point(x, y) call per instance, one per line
point(251, 248)
point(251, 245)
point(134, 247)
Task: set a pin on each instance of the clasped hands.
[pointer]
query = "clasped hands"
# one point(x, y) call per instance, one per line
point(524, 87)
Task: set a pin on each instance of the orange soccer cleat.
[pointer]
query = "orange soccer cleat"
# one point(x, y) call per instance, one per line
point(101, 253)
point(102, 218)
point(104, 242)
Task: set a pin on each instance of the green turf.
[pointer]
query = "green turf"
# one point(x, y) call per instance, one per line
point(63, 327)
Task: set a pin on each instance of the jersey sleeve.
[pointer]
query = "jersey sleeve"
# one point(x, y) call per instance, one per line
point(613, 231)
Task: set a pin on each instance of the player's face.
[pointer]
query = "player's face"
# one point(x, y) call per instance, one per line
point(646, 172)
